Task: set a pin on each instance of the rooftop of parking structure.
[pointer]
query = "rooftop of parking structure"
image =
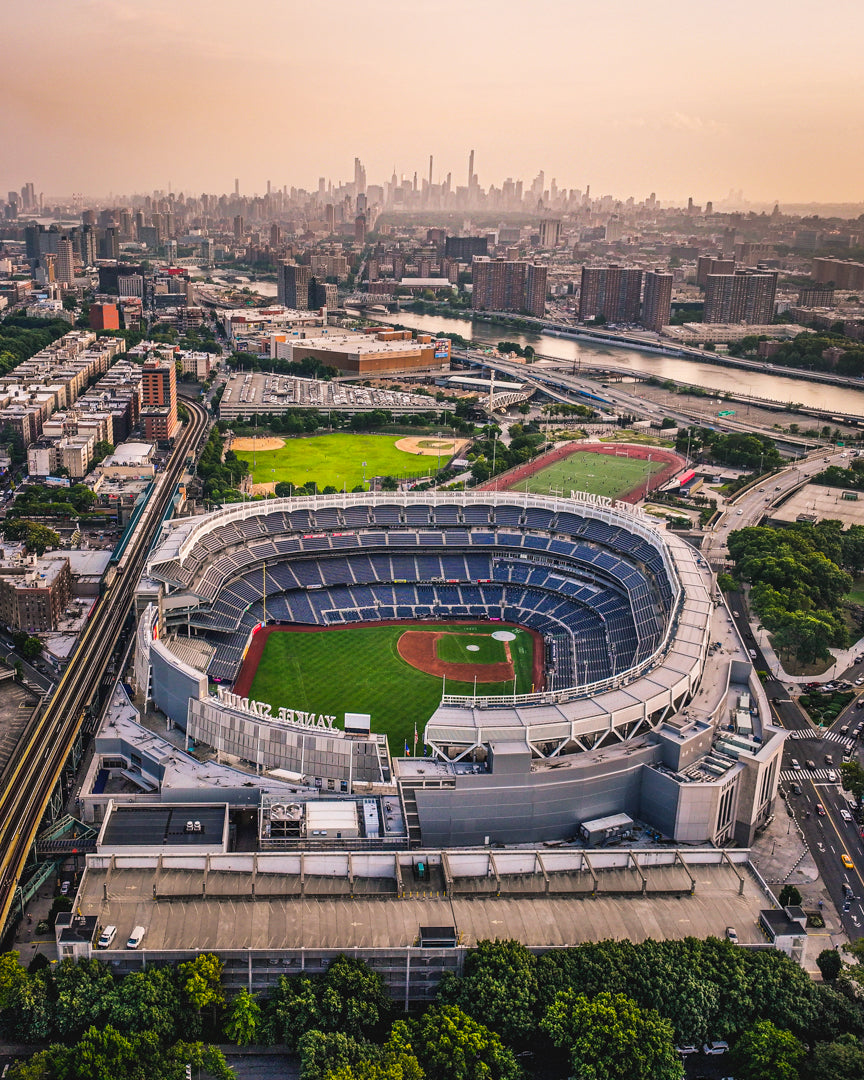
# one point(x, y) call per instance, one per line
point(543, 898)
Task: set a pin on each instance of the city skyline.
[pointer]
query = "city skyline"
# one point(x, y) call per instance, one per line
point(680, 104)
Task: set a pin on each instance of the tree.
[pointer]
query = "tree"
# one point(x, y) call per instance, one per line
point(12, 979)
point(105, 1054)
point(499, 987)
point(201, 981)
point(389, 483)
point(451, 1046)
point(833, 1060)
point(323, 1053)
point(244, 1017)
point(830, 964)
point(146, 1001)
point(100, 451)
point(610, 1038)
point(83, 993)
point(294, 1009)
point(852, 779)
point(352, 997)
point(765, 1052)
point(36, 537)
point(394, 1061)
point(789, 896)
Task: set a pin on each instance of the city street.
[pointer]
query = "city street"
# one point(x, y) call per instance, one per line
point(829, 835)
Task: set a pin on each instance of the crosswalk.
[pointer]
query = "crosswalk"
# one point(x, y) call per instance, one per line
point(789, 776)
point(828, 736)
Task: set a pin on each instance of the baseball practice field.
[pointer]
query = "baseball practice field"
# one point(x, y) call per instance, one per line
point(341, 460)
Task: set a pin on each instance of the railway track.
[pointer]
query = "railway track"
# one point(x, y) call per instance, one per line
point(34, 768)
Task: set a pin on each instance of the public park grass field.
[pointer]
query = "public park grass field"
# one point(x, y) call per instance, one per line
point(856, 593)
point(358, 669)
point(335, 460)
point(598, 474)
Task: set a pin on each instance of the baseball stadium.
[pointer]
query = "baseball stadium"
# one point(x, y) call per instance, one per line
point(512, 664)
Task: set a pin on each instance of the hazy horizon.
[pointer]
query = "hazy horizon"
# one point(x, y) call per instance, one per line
point(110, 96)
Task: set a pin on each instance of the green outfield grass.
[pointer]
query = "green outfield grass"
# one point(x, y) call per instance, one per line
point(335, 459)
point(359, 670)
point(598, 474)
point(454, 649)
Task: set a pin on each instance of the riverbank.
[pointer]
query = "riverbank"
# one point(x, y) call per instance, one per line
point(706, 370)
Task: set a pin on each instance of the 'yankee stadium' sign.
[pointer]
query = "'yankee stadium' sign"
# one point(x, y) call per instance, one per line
point(264, 711)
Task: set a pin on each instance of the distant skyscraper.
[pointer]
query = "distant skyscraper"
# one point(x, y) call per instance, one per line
point(611, 291)
point(239, 227)
point(293, 286)
point(65, 269)
point(657, 301)
point(360, 229)
point(359, 177)
point(471, 170)
point(550, 232)
point(747, 296)
point(465, 248)
point(236, 188)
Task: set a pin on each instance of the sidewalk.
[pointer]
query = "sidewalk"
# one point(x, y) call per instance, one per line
point(782, 857)
point(843, 658)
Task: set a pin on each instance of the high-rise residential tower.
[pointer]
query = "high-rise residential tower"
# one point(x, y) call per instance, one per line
point(293, 286)
point(612, 292)
point(503, 285)
point(657, 301)
point(747, 296)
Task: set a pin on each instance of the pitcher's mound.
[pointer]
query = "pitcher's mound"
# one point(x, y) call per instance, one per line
point(263, 443)
point(426, 447)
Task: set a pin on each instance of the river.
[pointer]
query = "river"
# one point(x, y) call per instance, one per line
point(710, 376)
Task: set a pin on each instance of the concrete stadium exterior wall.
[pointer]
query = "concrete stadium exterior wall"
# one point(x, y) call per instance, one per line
point(320, 756)
point(520, 806)
point(174, 683)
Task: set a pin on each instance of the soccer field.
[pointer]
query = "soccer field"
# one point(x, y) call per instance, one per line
point(358, 669)
point(335, 460)
point(598, 474)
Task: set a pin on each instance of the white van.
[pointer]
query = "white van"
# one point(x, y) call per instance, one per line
point(106, 937)
point(135, 937)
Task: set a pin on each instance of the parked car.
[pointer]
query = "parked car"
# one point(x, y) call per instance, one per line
point(106, 937)
point(687, 1048)
point(719, 1046)
point(732, 935)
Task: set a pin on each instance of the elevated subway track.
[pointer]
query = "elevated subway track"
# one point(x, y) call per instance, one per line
point(34, 769)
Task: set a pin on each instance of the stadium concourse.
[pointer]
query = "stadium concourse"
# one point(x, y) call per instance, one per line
point(650, 707)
